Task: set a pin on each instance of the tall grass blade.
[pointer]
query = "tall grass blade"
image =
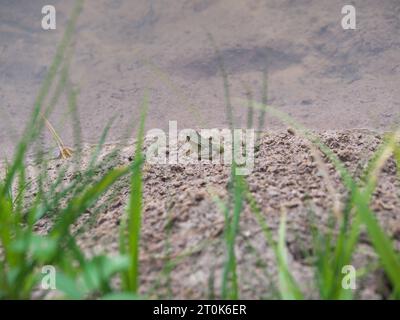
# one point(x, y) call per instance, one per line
point(289, 289)
point(131, 245)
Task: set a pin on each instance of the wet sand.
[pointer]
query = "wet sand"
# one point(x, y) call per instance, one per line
point(322, 75)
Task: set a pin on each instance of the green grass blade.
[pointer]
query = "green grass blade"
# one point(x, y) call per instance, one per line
point(80, 203)
point(381, 242)
point(232, 226)
point(224, 75)
point(134, 212)
point(288, 285)
point(264, 101)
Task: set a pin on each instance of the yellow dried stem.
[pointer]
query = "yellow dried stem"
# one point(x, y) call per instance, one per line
point(65, 152)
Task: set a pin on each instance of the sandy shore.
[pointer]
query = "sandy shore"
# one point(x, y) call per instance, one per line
point(182, 219)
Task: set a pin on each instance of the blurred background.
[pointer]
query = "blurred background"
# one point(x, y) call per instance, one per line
point(322, 75)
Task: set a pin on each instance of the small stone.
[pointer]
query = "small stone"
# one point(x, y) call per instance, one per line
point(386, 206)
point(291, 131)
point(199, 197)
point(292, 204)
